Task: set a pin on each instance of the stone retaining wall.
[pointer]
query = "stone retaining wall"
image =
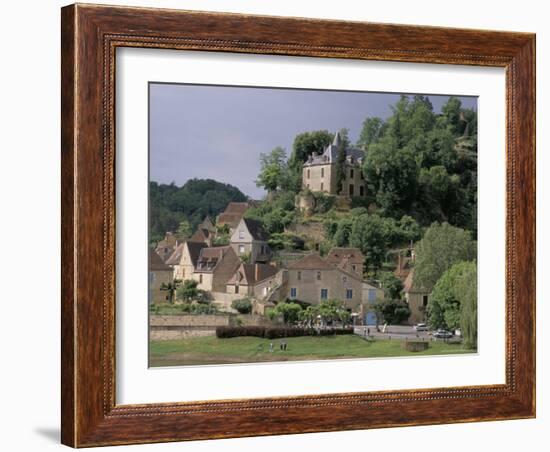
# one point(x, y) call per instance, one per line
point(174, 327)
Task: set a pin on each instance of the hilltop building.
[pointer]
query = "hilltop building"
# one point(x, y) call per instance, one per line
point(320, 171)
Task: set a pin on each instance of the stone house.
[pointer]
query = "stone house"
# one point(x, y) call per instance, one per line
point(417, 299)
point(319, 172)
point(159, 273)
point(214, 267)
point(167, 245)
point(232, 215)
point(252, 280)
point(249, 239)
point(184, 259)
point(313, 280)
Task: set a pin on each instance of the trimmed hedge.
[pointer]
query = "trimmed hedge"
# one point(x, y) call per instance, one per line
point(275, 332)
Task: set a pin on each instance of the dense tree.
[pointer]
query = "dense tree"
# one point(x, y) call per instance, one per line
point(372, 129)
point(171, 288)
point(424, 164)
point(184, 230)
point(453, 302)
point(309, 143)
point(276, 214)
point(169, 205)
point(441, 247)
point(368, 234)
point(273, 169)
point(392, 286)
point(188, 290)
point(290, 312)
point(393, 312)
point(467, 290)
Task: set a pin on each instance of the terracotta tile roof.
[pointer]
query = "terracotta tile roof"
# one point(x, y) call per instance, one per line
point(311, 262)
point(352, 255)
point(156, 263)
point(233, 213)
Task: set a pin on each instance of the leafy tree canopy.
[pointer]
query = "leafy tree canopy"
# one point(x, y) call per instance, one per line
point(170, 205)
point(441, 247)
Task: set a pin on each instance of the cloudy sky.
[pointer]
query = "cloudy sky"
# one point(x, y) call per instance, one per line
point(218, 132)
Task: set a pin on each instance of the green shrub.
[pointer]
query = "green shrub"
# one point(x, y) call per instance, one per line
point(242, 306)
point(275, 332)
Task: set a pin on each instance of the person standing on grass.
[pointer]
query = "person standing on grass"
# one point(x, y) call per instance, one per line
point(271, 347)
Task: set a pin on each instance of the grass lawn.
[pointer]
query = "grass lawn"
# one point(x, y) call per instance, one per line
point(211, 350)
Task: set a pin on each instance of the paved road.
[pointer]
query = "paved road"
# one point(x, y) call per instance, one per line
point(397, 332)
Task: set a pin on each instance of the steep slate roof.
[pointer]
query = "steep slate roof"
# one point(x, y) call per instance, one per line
point(210, 257)
point(352, 255)
point(256, 229)
point(250, 274)
point(156, 263)
point(310, 262)
point(194, 251)
point(330, 154)
point(200, 235)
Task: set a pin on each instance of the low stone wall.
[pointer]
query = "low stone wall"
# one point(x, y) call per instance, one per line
point(174, 327)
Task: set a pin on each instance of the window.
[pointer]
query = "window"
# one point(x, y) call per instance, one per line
point(344, 279)
point(424, 300)
point(236, 288)
point(200, 279)
point(372, 295)
point(318, 276)
point(293, 292)
point(324, 294)
point(322, 186)
point(265, 291)
point(362, 175)
point(351, 190)
point(351, 173)
point(362, 191)
point(308, 174)
point(241, 235)
point(322, 172)
point(299, 276)
point(349, 294)
point(354, 267)
point(241, 249)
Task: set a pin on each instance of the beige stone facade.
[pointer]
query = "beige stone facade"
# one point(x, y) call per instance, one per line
point(320, 171)
point(313, 280)
point(249, 241)
point(159, 274)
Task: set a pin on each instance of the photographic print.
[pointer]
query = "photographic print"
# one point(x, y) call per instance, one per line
point(299, 224)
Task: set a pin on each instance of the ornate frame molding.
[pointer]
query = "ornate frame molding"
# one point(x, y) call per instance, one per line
point(90, 37)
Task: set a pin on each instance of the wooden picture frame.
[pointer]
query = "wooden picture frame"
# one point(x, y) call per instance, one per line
point(90, 36)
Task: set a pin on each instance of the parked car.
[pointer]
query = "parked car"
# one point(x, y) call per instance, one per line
point(443, 334)
point(421, 327)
